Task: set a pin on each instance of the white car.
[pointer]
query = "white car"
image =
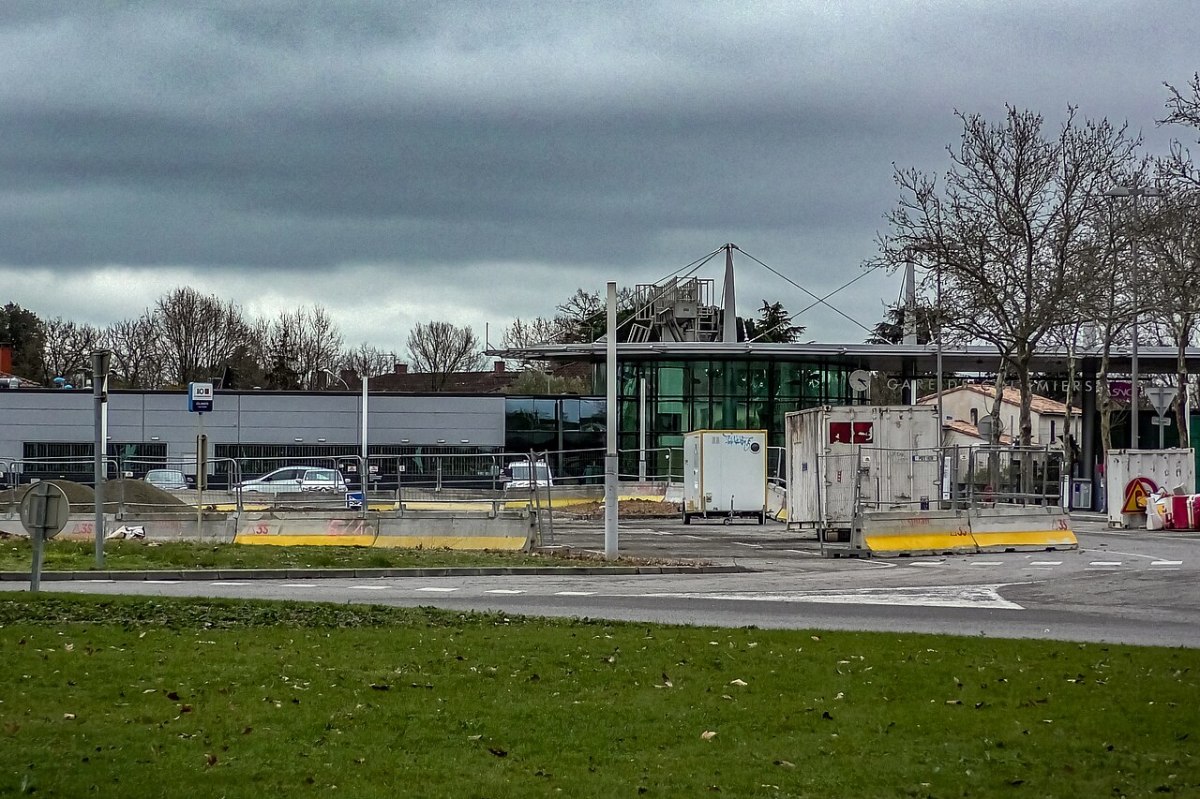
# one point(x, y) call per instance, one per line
point(296, 479)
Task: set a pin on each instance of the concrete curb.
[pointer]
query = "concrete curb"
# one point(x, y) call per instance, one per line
point(317, 574)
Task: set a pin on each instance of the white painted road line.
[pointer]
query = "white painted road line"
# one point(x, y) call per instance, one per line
point(503, 591)
point(978, 596)
point(926, 563)
point(437, 589)
point(163, 582)
point(574, 593)
point(1105, 563)
point(98, 581)
point(986, 562)
point(371, 587)
point(745, 544)
point(1167, 563)
point(219, 583)
point(802, 552)
point(299, 585)
point(1046, 563)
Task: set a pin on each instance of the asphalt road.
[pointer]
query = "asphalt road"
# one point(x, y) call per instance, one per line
point(1120, 586)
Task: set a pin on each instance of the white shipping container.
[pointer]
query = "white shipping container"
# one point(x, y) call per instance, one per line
point(725, 474)
point(1131, 475)
point(899, 461)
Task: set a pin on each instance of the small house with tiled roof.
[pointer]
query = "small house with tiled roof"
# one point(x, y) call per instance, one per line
point(963, 407)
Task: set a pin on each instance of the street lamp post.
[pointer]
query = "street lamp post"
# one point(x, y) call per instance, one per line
point(1134, 192)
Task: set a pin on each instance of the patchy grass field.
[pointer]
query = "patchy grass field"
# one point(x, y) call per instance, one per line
point(151, 697)
point(16, 554)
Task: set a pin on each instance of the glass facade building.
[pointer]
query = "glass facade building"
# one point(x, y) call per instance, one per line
point(715, 394)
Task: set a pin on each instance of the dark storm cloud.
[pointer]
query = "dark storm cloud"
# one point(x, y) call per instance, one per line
point(293, 138)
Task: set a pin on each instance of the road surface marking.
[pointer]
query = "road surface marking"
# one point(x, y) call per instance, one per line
point(1167, 563)
point(372, 587)
point(986, 562)
point(162, 582)
point(746, 544)
point(299, 585)
point(98, 581)
point(1046, 563)
point(803, 552)
point(574, 593)
point(658, 532)
point(437, 589)
point(693, 537)
point(503, 591)
point(1105, 563)
point(970, 596)
point(228, 583)
point(926, 563)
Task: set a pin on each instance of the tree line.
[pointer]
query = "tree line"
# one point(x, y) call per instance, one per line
point(189, 336)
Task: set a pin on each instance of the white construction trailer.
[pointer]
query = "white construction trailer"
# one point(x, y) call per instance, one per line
point(841, 457)
point(725, 475)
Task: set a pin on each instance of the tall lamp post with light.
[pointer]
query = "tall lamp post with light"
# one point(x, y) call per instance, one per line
point(1134, 192)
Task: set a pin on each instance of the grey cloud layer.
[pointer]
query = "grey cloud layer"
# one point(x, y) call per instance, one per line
point(300, 136)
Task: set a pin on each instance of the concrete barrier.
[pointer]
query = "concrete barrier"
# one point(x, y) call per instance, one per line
point(506, 530)
point(1022, 528)
point(216, 528)
point(926, 532)
point(273, 530)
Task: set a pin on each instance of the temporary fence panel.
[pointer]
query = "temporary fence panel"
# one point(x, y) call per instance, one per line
point(1012, 475)
point(1132, 475)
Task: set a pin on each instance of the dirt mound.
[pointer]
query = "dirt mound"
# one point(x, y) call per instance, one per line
point(626, 508)
point(132, 495)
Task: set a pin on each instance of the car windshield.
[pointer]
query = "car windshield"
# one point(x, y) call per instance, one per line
point(520, 471)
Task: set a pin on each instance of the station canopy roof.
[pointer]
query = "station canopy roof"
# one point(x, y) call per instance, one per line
point(876, 357)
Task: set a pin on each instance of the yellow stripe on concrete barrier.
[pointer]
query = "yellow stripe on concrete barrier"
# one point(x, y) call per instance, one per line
point(900, 533)
point(1022, 529)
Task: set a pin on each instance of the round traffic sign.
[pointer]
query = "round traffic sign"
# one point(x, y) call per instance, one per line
point(44, 510)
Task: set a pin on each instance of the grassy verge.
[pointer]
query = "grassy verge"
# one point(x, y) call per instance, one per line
point(16, 554)
point(140, 697)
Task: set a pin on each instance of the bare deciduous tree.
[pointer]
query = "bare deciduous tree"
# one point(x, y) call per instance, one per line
point(67, 347)
point(441, 348)
point(365, 360)
point(522, 334)
point(200, 334)
point(1009, 229)
point(1172, 241)
point(137, 354)
point(300, 345)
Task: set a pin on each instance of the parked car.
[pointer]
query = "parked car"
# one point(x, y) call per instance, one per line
point(518, 476)
point(169, 479)
point(295, 479)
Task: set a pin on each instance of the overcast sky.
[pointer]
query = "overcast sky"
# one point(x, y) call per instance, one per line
point(478, 161)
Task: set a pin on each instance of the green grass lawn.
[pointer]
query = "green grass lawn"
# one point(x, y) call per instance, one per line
point(16, 554)
point(137, 697)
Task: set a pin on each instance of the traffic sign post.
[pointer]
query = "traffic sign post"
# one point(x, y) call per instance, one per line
point(1161, 398)
point(200, 402)
point(44, 510)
